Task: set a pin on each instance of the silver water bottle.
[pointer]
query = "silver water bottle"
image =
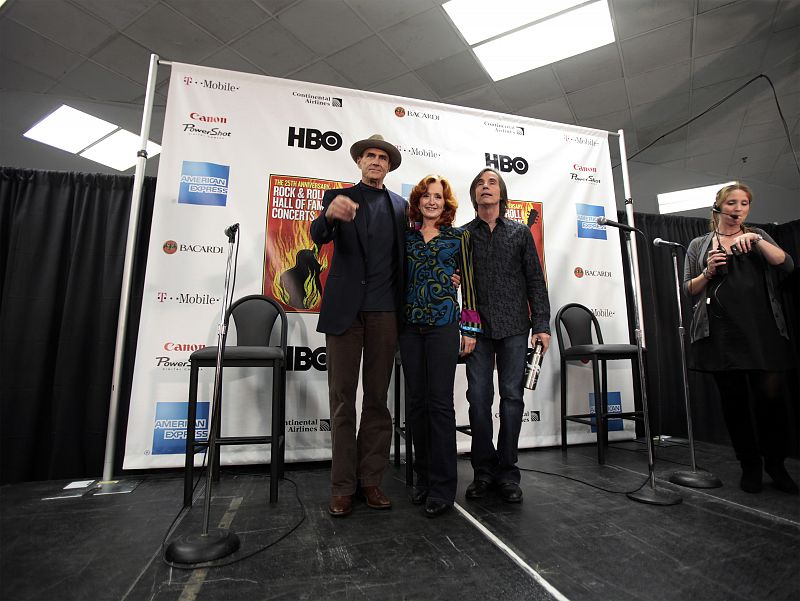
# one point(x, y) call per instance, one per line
point(534, 366)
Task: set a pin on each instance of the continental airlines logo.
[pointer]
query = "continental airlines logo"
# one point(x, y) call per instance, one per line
point(170, 247)
point(318, 99)
point(308, 425)
point(580, 272)
point(210, 84)
point(419, 152)
point(582, 173)
point(401, 112)
point(504, 128)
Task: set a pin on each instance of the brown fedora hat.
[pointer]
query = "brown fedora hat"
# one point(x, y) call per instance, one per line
point(377, 141)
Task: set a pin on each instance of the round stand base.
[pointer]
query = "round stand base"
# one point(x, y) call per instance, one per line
point(652, 496)
point(199, 548)
point(695, 479)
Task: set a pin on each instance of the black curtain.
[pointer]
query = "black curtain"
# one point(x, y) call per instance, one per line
point(62, 246)
point(660, 308)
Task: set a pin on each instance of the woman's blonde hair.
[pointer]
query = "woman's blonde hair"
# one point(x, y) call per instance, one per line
point(722, 196)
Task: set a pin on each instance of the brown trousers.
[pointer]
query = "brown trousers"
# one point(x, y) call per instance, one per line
point(362, 458)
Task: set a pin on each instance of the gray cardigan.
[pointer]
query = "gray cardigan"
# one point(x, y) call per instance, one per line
point(696, 261)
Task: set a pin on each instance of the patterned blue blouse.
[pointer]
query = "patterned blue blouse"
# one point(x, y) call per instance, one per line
point(431, 298)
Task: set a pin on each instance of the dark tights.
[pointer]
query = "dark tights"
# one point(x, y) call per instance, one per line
point(754, 406)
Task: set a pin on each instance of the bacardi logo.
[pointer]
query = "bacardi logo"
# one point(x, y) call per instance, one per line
point(400, 111)
point(171, 247)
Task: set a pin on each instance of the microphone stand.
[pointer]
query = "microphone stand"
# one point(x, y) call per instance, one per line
point(647, 494)
point(218, 542)
point(693, 478)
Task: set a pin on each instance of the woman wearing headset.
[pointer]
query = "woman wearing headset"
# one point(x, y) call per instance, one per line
point(739, 334)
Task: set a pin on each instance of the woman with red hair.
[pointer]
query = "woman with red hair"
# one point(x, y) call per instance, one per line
point(429, 342)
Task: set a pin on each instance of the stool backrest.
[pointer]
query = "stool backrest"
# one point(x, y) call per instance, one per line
point(255, 317)
point(578, 322)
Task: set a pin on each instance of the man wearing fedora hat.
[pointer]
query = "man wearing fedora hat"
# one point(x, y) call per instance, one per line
point(359, 316)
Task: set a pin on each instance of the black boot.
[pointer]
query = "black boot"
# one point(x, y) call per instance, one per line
point(751, 477)
point(781, 478)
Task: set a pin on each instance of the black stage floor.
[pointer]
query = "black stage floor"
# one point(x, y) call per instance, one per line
point(566, 540)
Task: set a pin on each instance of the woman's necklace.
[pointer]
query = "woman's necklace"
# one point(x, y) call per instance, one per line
point(719, 233)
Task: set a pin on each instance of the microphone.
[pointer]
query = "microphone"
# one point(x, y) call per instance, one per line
point(622, 226)
point(230, 231)
point(720, 212)
point(660, 242)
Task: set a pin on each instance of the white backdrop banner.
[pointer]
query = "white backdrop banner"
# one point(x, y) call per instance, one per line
point(260, 151)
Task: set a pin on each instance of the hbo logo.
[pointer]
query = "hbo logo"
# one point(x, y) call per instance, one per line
point(314, 139)
point(506, 164)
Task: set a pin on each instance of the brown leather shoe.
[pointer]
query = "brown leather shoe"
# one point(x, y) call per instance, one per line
point(340, 506)
point(375, 498)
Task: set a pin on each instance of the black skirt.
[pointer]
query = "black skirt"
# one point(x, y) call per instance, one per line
point(743, 333)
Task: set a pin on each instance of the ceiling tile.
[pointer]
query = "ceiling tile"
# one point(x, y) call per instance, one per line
point(23, 46)
point(454, 74)
point(707, 5)
point(704, 97)
point(772, 130)
point(321, 72)
point(665, 46)
point(367, 62)
point(118, 13)
point(273, 49)
point(662, 153)
point(127, 58)
point(424, 38)
point(227, 58)
point(225, 20)
point(99, 83)
point(633, 17)
point(648, 135)
point(529, 88)
point(556, 109)
point(23, 78)
point(659, 83)
point(671, 110)
point(788, 15)
point(731, 25)
point(720, 142)
point(589, 68)
point(62, 23)
point(407, 85)
point(171, 36)
point(611, 122)
point(312, 21)
point(485, 98)
point(784, 51)
point(383, 14)
point(729, 64)
point(599, 100)
point(275, 6)
point(714, 162)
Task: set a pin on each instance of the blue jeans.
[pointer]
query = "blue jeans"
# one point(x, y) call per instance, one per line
point(490, 464)
point(430, 354)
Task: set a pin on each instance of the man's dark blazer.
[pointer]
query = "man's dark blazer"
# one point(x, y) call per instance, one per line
point(346, 284)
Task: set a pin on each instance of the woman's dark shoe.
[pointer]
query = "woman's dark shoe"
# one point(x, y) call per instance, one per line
point(781, 479)
point(751, 478)
point(435, 507)
point(418, 495)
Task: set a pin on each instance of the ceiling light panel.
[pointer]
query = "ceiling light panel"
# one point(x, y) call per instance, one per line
point(69, 129)
point(478, 20)
point(549, 41)
point(118, 150)
point(686, 200)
